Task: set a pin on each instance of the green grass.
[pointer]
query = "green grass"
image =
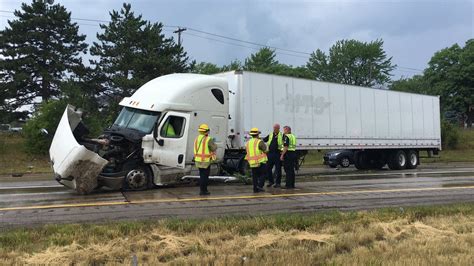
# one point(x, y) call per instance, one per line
point(463, 153)
point(393, 235)
point(314, 158)
point(14, 159)
point(32, 239)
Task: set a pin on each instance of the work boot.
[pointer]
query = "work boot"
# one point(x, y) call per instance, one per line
point(277, 186)
point(270, 184)
point(259, 189)
point(205, 193)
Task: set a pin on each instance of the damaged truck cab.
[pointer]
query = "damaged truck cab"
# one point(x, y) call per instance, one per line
point(150, 143)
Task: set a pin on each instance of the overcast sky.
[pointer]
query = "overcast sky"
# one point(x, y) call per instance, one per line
point(412, 30)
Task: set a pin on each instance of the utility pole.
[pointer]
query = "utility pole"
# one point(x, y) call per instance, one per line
point(179, 30)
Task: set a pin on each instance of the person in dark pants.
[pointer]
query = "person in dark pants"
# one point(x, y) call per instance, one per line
point(255, 155)
point(204, 180)
point(258, 178)
point(275, 146)
point(288, 156)
point(204, 154)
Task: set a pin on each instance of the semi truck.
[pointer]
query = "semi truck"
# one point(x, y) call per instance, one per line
point(151, 141)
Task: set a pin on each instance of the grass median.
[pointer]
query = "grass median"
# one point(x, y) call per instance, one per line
point(432, 235)
point(15, 160)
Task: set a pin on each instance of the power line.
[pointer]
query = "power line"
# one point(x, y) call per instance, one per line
point(248, 42)
point(181, 29)
point(237, 44)
point(199, 31)
point(410, 68)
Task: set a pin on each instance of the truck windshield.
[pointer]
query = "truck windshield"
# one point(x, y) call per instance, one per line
point(137, 119)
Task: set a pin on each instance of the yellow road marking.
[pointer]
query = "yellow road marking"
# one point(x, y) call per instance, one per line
point(260, 196)
point(72, 205)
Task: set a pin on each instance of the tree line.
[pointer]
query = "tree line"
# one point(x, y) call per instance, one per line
point(42, 58)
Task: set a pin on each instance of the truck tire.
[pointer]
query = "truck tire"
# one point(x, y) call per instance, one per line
point(412, 159)
point(361, 160)
point(398, 160)
point(139, 178)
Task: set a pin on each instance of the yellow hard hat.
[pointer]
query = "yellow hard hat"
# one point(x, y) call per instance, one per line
point(203, 128)
point(254, 131)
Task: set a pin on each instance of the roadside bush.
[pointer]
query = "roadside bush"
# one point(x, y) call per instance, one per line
point(48, 117)
point(449, 135)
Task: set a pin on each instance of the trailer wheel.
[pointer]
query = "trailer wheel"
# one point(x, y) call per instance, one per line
point(398, 160)
point(413, 158)
point(361, 160)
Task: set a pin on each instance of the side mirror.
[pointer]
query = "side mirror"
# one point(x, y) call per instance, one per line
point(155, 131)
point(44, 132)
point(161, 142)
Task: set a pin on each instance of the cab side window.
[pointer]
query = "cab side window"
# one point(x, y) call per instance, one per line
point(218, 95)
point(173, 127)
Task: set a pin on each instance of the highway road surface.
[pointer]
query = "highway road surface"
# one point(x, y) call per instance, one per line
point(38, 201)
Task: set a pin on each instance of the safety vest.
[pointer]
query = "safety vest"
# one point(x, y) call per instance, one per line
point(170, 133)
point(201, 149)
point(292, 140)
point(279, 140)
point(254, 155)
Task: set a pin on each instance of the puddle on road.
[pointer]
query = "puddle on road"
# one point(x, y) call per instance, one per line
point(370, 176)
point(458, 185)
point(23, 190)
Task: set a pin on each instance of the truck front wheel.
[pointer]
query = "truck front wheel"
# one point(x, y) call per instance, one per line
point(139, 178)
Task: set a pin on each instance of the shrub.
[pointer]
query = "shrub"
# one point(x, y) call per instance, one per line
point(48, 117)
point(449, 135)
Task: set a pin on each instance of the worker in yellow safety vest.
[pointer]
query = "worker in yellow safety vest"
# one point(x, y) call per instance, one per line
point(288, 156)
point(274, 142)
point(204, 154)
point(257, 159)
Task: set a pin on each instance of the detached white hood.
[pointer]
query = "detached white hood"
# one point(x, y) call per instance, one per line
point(74, 165)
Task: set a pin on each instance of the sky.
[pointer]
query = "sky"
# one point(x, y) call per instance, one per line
point(412, 31)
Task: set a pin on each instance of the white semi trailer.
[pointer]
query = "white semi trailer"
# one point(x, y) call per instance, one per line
point(138, 151)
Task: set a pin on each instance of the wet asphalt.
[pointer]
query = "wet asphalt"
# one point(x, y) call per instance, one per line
point(31, 201)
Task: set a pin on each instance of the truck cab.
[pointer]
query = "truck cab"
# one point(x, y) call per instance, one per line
point(151, 141)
